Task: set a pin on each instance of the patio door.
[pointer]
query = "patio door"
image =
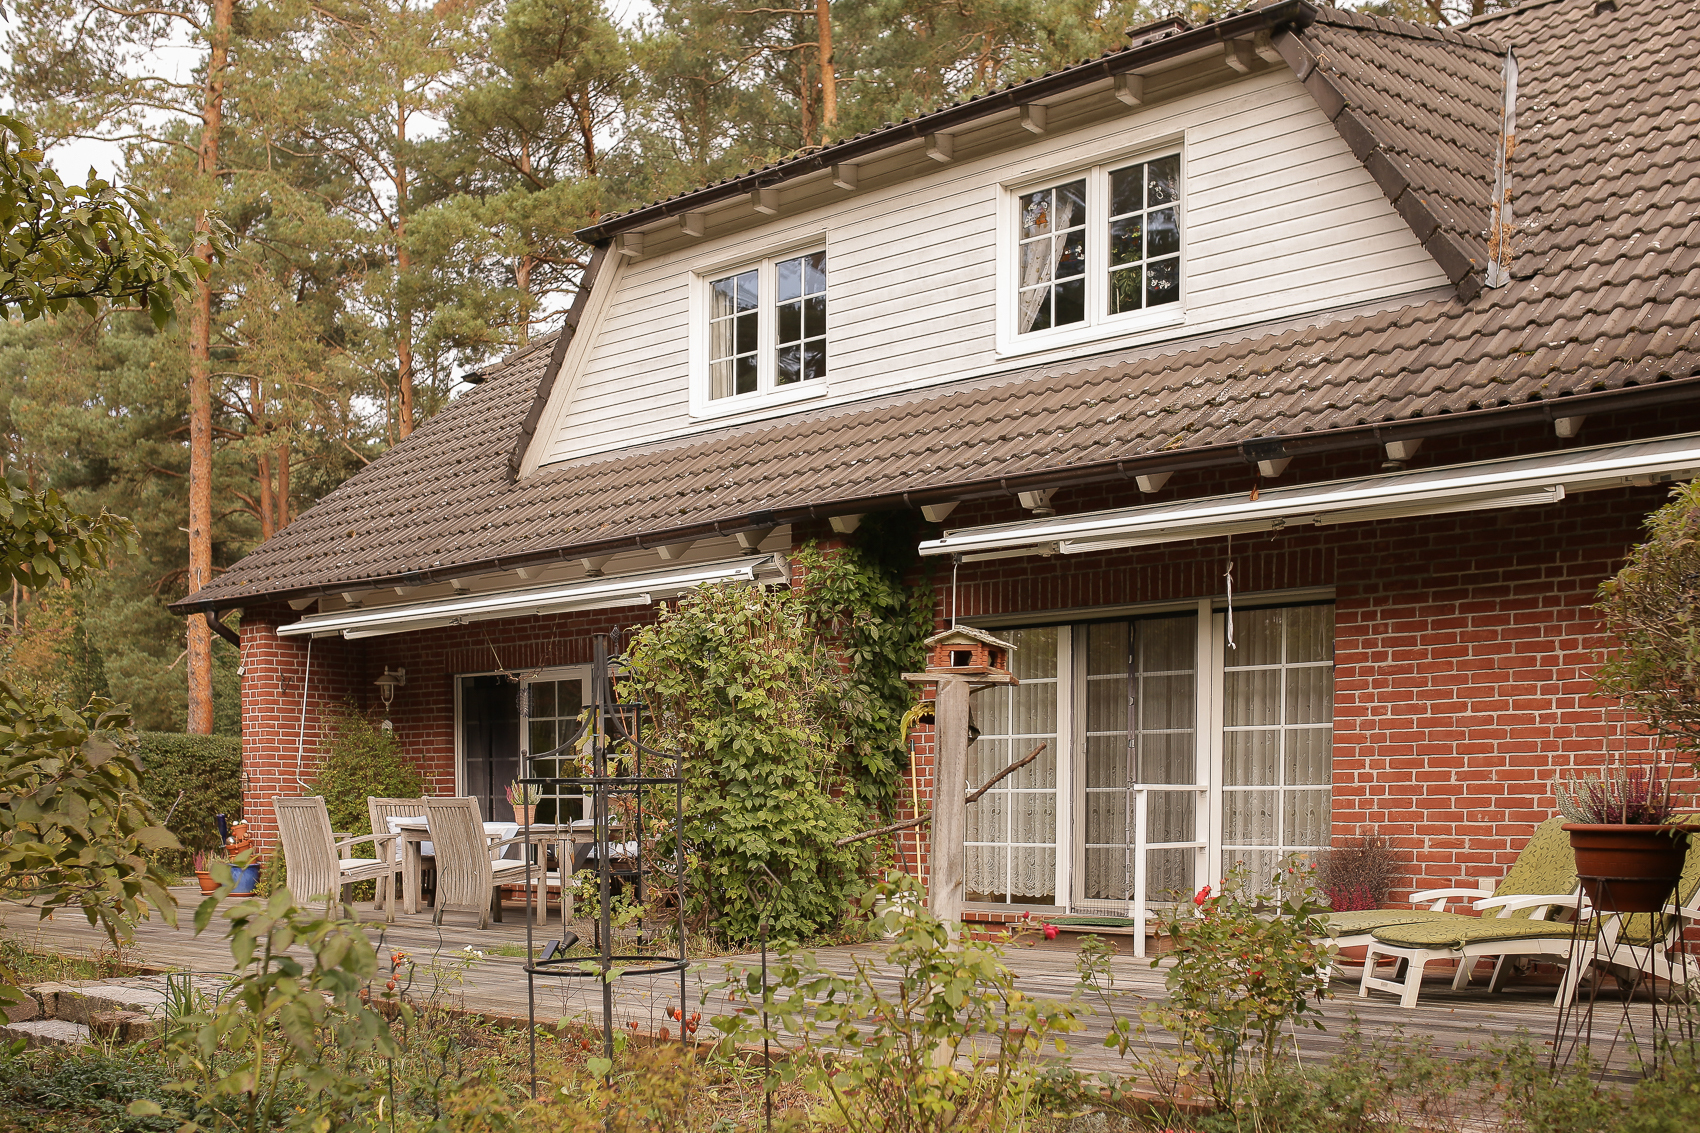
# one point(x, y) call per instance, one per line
point(492, 753)
point(1145, 791)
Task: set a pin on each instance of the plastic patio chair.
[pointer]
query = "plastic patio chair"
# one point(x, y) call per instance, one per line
point(313, 863)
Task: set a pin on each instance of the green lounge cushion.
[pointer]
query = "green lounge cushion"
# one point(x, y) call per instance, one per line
point(1466, 931)
point(1359, 921)
point(1546, 865)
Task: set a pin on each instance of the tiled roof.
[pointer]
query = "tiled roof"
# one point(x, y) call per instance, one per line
point(1605, 295)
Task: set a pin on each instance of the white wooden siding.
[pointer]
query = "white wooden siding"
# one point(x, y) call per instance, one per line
point(1281, 220)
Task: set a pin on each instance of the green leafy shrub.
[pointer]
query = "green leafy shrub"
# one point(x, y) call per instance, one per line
point(208, 772)
point(738, 686)
point(361, 759)
point(937, 1038)
point(858, 600)
point(1651, 610)
point(1244, 972)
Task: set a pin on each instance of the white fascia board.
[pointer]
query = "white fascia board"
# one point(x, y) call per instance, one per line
point(1508, 482)
point(633, 589)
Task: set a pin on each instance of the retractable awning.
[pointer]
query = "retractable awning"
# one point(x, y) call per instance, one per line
point(1513, 482)
point(639, 588)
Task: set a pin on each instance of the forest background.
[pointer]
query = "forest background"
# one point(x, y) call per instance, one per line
point(400, 181)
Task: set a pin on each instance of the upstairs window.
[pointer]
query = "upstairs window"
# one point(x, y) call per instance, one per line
point(1100, 249)
point(767, 327)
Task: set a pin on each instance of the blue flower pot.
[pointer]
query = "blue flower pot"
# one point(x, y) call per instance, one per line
point(245, 877)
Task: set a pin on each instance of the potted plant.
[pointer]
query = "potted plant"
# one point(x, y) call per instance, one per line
point(1629, 846)
point(244, 877)
point(203, 870)
point(524, 797)
point(1623, 819)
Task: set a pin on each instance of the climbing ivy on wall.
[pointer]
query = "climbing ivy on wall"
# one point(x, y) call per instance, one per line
point(861, 603)
point(739, 686)
point(787, 706)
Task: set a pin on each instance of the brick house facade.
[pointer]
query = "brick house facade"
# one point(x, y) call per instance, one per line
point(1419, 674)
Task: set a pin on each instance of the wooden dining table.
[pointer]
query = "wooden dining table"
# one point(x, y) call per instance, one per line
point(415, 832)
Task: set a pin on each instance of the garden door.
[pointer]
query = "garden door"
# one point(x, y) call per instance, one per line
point(557, 698)
point(1144, 788)
point(489, 740)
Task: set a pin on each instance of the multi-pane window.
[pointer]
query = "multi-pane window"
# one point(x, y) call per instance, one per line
point(767, 326)
point(1100, 247)
point(1277, 735)
point(1145, 235)
point(1053, 256)
point(554, 706)
point(1012, 830)
point(1141, 745)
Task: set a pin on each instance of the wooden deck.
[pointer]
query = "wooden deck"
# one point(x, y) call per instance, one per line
point(1458, 1022)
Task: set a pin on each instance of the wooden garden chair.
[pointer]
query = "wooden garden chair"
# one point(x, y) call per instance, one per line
point(381, 811)
point(470, 868)
point(312, 856)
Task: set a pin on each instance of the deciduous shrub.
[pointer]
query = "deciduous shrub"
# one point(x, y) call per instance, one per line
point(207, 770)
point(361, 759)
point(937, 1038)
point(1358, 873)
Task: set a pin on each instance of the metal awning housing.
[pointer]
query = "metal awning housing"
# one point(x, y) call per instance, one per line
point(638, 588)
point(1522, 481)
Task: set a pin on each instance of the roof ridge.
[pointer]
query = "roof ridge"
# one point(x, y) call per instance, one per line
point(1393, 25)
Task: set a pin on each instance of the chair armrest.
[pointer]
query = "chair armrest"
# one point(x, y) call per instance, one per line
point(1509, 905)
point(1441, 896)
point(376, 839)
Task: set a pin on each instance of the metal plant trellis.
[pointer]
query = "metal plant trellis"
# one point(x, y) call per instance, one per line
point(610, 739)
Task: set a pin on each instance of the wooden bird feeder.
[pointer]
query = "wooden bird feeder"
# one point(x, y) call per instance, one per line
point(964, 651)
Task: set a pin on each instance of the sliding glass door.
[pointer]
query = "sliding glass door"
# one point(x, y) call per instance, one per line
point(1185, 750)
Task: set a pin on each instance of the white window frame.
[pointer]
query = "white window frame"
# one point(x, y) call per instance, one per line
point(558, 673)
point(767, 394)
point(1098, 325)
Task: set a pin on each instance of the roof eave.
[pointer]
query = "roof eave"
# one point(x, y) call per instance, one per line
point(1280, 16)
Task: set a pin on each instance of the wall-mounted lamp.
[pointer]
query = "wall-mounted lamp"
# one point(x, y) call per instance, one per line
point(387, 684)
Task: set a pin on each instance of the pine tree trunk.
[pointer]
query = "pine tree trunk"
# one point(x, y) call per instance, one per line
point(828, 72)
point(283, 486)
point(200, 379)
point(263, 462)
point(403, 264)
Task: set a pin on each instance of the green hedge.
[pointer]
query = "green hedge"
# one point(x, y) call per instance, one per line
point(207, 769)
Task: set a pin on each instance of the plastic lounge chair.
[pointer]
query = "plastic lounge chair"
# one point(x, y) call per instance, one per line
point(1468, 939)
point(1640, 942)
point(312, 856)
point(1546, 866)
point(470, 868)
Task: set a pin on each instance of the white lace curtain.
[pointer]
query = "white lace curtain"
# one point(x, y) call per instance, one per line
point(1012, 831)
point(1052, 210)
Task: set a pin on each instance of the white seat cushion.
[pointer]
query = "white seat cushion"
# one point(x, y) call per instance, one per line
point(355, 863)
point(395, 828)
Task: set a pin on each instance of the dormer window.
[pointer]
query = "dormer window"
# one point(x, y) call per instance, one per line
point(766, 327)
point(1097, 251)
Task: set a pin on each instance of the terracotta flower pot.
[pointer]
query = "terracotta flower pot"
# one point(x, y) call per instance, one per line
point(1628, 869)
point(524, 815)
point(208, 882)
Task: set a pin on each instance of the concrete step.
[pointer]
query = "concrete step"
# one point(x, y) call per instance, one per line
point(46, 1032)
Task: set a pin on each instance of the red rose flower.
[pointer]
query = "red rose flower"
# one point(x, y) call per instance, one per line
point(1050, 932)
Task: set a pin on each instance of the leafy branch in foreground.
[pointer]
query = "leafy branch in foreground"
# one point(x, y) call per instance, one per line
point(68, 244)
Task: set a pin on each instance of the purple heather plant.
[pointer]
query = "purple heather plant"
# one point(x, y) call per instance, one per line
point(1618, 794)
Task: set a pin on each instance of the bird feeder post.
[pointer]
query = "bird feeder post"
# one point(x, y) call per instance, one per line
point(961, 661)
